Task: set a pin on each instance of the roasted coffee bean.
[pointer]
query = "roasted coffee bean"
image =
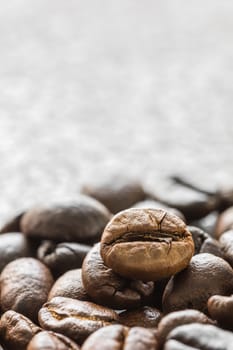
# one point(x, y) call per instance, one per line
point(178, 318)
point(62, 257)
point(207, 223)
point(16, 330)
point(202, 337)
point(212, 246)
point(25, 284)
point(82, 221)
point(69, 285)
point(221, 309)
point(51, 341)
point(12, 246)
point(13, 225)
point(226, 241)
point(107, 288)
point(117, 194)
point(145, 316)
point(206, 275)
point(75, 319)
point(119, 337)
point(176, 345)
point(146, 244)
point(224, 223)
point(199, 237)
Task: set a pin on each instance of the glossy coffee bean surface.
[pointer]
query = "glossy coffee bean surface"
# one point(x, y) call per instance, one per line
point(51, 341)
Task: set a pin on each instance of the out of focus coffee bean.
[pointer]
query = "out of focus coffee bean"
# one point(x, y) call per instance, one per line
point(69, 285)
point(62, 257)
point(176, 345)
point(25, 284)
point(146, 244)
point(206, 275)
point(51, 341)
point(75, 319)
point(212, 246)
point(221, 309)
point(107, 288)
point(117, 194)
point(202, 337)
point(145, 316)
point(207, 223)
point(119, 337)
point(13, 225)
point(16, 330)
point(178, 318)
point(226, 241)
point(82, 221)
point(225, 222)
point(199, 237)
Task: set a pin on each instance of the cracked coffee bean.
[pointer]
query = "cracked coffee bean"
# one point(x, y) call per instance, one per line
point(107, 288)
point(16, 330)
point(25, 284)
point(69, 285)
point(221, 309)
point(146, 244)
point(206, 275)
point(75, 319)
point(62, 257)
point(146, 316)
point(120, 337)
point(51, 341)
point(81, 221)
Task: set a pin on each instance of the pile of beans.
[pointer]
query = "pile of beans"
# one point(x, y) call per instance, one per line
point(121, 267)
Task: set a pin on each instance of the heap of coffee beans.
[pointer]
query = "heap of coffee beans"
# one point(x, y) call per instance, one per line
point(121, 267)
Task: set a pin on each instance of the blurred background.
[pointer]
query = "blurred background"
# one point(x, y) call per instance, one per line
point(89, 89)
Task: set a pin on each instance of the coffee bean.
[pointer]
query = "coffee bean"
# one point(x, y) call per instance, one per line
point(51, 341)
point(107, 288)
point(178, 318)
point(13, 225)
point(199, 237)
point(207, 223)
point(146, 244)
point(212, 246)
point(224, 223)
point(226, 241)
point(176, 345)
point(62, 257)
point(75, 319)
point(117, 194)
point(69, 285)
point(25, 284)
point(120, 337)
point(206, 275)
point(16, 330)
point(145, 316)
point(221, 309)
point(82, 221)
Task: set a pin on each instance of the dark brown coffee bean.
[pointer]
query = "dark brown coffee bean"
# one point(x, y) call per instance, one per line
point(206, 275)
point(75, 319)
point(12, 246)
point(81, 221)
point(221, 309)
point(145, 316)
point(25, 284)
point(178, 318)
point(107, 288)
point(120, 337)
point(13, 225)
point(16, 330)
point(62, 257)
point(69, 285)
point(212, 246)
point(199, 237)
point(146, 244)
point(207, 223)
point(202, 337)
point(226, 241)
point(117, 194)
point(224, 223)
point(51, 341)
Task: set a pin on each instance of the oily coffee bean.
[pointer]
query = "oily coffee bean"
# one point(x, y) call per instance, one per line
point(221, 309)
point(16, 330)
point(25, 284)
point(117, 194)
point(119, 337)
point(146, 244)
point(69, 285)
point(224, 223)
point(62, 257)
point(13, 225)
point(199, 237)
point(145, 316)
point(107, 288)
point(51, 341)
point(75, 319)
point(226, 241)
point(178, 318)
point(14, 245)
point(206, 275)
point(81, 221)
point(202, 337)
